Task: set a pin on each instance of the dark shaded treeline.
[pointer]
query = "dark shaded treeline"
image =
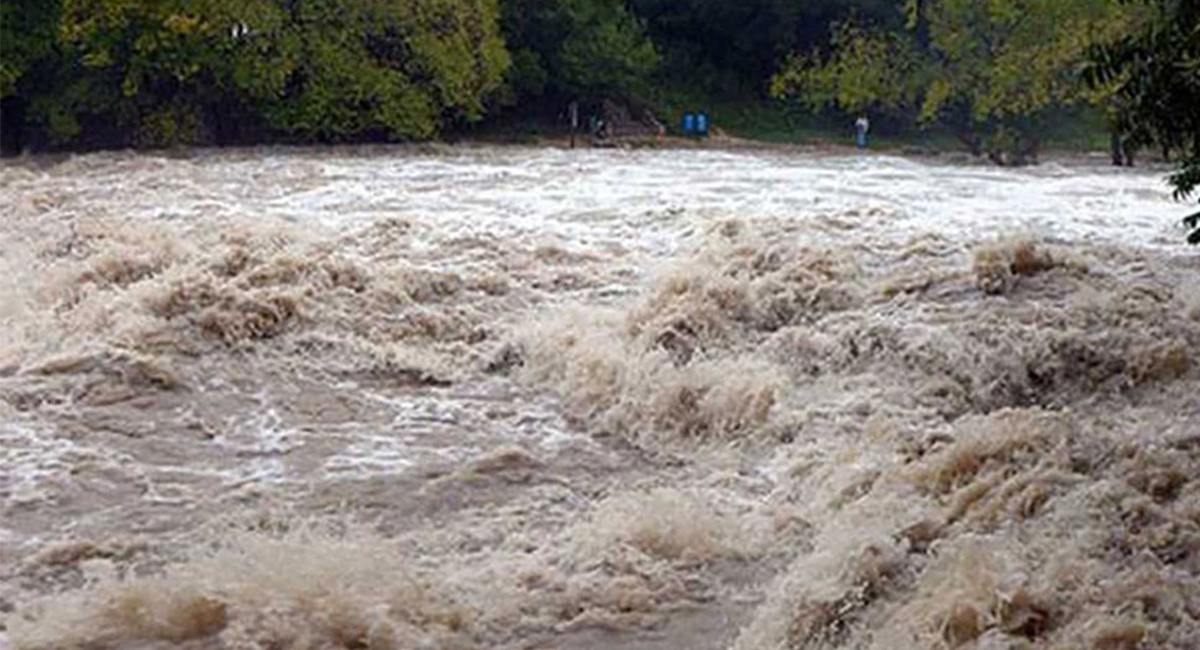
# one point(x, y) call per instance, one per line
point(998, 74)
point(1153, 76)
point(83, 74)
point(108, 73)
point(87, 73)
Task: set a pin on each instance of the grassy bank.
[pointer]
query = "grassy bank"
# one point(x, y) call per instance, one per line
point(755, 119)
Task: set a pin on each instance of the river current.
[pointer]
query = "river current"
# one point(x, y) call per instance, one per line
point(503, 397)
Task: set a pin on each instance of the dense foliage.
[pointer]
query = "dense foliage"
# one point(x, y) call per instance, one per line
point(992, 71)
point(154, 72)
point(727, 45)
point(566, 48)
point(1154, 74)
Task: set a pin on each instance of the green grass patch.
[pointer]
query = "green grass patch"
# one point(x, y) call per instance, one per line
point(753, 118)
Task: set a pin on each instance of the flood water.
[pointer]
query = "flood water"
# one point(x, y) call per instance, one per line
point(532, 398)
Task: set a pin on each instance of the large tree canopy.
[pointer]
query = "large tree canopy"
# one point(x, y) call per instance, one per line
point(998, 73)
point(1154, 73)
point(989, 69)
point(400, 68)
point(717, 43)
point(576, 47)
point(166, 71)
point(28, 30)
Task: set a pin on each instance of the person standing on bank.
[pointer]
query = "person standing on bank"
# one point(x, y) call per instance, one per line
point(573, 118)
point(862, 126)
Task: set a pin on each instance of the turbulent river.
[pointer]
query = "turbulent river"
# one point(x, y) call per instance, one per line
point(452, 398)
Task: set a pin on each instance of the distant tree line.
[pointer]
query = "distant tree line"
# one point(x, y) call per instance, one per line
point(150, 73)
point(158, 72)
point(994, 72)
point(155, 72)
point(1152, 74)
point(97, 73)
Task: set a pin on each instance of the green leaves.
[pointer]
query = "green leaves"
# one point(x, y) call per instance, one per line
point(1008, 59)
point(577, 47)
point(865, 70)
point(992, 68)
point(1186, 180)
point(28, 33)
point(1153, 75)
point(608, 51)
point(170, 71)
point(159, 72)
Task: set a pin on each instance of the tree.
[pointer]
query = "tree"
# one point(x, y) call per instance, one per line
point(159, 72)
point(29, 55)
point(735, 47)
point(28, 32)
point(607, 51)
point(398, 68)
point(586, 48)
point(865, 70)
point(992, 70)
point(159, 68)
point(1155, 73)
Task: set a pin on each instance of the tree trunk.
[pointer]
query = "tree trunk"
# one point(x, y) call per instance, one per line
point(12, 125)
point(972, 142)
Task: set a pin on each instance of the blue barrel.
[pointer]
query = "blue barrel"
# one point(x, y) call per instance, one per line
point(702, 123)
point(689, 123)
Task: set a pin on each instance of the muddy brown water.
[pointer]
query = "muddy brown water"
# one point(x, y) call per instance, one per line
point(529, 398)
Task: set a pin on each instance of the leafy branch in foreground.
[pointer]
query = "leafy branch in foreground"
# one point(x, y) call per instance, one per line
point(1156, 74)
point(1185, 181)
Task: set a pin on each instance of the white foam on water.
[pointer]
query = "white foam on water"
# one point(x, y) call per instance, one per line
point(640, 199)
point(33, 457)
point(298, 268)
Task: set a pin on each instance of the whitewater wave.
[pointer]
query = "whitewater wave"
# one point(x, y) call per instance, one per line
point(510, 398)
